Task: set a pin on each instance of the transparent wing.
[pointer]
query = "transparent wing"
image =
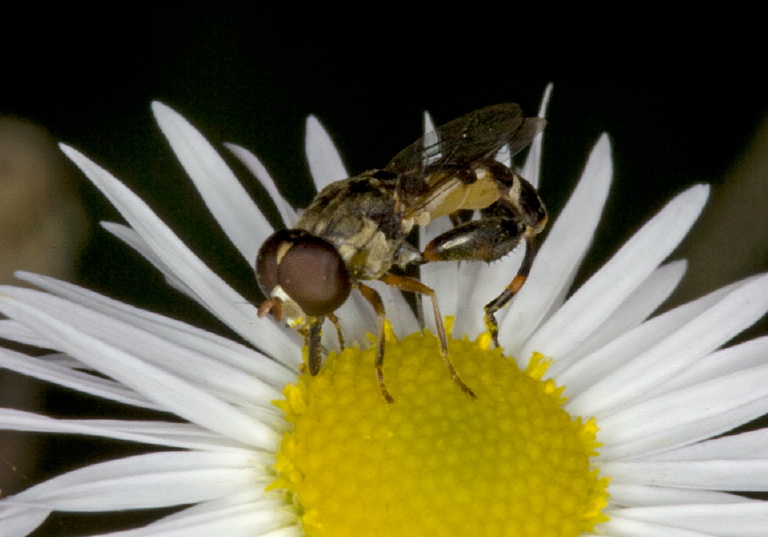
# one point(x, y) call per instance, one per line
point(460, 143)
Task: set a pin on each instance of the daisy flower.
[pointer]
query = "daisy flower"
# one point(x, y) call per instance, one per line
point(594, 416)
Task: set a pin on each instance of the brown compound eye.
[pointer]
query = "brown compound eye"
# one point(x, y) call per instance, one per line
point(308, 268)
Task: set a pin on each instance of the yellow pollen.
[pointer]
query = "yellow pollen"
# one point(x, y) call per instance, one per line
point(436, 462)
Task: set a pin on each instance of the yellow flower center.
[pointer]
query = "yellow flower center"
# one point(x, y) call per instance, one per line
point(511, 462)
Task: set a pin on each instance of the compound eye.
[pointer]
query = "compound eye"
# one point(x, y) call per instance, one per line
point(267, 259)
point(314, 275)
point(307, 268)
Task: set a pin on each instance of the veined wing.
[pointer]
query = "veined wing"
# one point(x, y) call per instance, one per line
point(472, 138)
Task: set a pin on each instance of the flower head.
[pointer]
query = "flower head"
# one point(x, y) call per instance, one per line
point(591, 416)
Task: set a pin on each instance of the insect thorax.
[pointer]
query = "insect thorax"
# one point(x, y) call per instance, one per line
point(360, 217)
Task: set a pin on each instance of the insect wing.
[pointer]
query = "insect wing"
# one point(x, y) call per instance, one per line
point(429, 169)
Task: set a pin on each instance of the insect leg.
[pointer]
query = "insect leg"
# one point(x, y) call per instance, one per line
point(514, 286)
point(312, 336)
point(404, 283)
point(374, 300)
point(335, 320)
point(487, 239)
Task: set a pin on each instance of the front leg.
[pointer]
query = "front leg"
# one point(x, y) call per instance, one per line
point(312, 335)
point(404, 283)
point(514, 286)
point(487, 239)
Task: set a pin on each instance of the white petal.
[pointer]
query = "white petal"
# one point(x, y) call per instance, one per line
point(173, 393)
point(442, 277)
point(532, 168)
point(749, 445)
point(211, 290)
point(430, 139)
point(632, 495)
point(145, 481)
point(399, 313)
point(229, 516)
point(19, 522)
point(291, 531)
point(223, 194)
point(746, 475)
point(19, 333)
point(254, 165)
point(718, 364)
point(560, 255)
point(749, 519)
point(357, 319)
point(70, 378)
point(604, 292)
point(602, 363)
point(324, 161)
point(701, 412)
point(638, 307)
point(619, 526)
point(174, 435)
point(733, 313)
point(192, 338)
point(134, 240)
point(182, 360)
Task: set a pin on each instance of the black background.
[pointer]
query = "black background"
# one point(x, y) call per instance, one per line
point(680, 95)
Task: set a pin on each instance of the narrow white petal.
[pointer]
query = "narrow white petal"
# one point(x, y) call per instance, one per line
point(133, 240)
point(442, 277)
point(249, 515)
point(459, 281)
point(701, 412)
point(291, 531)
point(173, 393)
point(195, 339)
point(607, 289)
point(182, 360)
point(749, 445)
point(15, 331)
point(145, 481)
point(223, 194)
point(70, 378)
point(255, 498)
point(746, 355)
point(357, 318)
point(602, 363)
point(744, 476)
point(211, 290)
point(399, 313)
point(736, 311)
point(532, 168)
point(560, 255)
point(173, 435)
point(430, 139)
point(324, 161)
point(20, 522)
point(638, 307)
point(633, 495)
point(619, 526)
point(749, 519)
point(254, 165)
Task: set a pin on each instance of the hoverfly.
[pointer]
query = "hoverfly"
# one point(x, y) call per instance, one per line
point(356, 229)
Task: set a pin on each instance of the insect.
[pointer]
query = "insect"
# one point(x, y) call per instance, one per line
point(356, 229)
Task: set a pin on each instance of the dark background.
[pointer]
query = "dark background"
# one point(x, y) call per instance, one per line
point(681, 97)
